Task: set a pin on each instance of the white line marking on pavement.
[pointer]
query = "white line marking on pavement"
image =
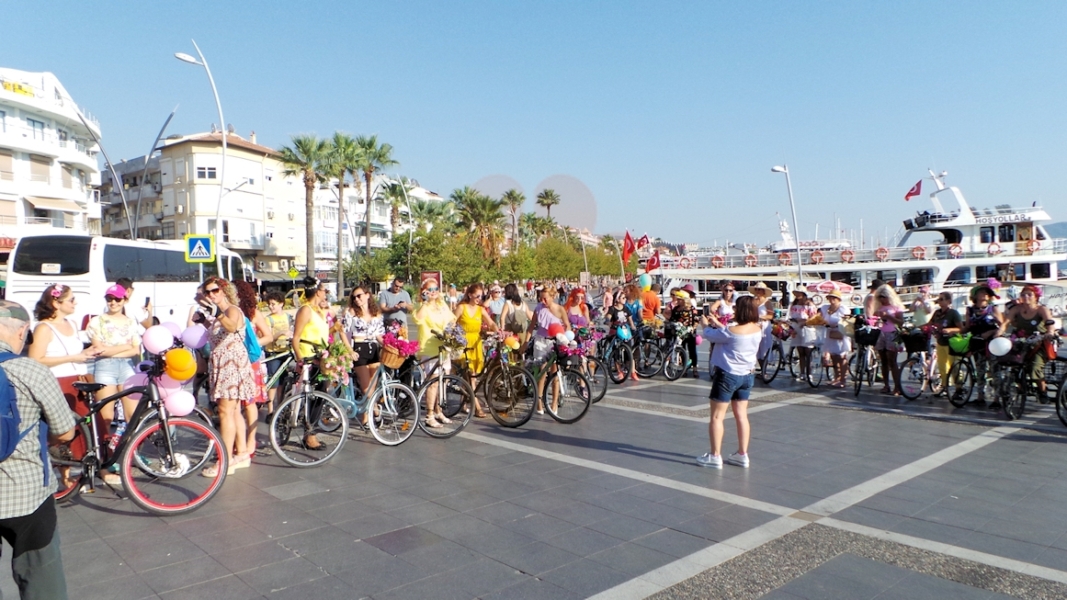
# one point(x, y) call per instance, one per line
point(656, 413)
point(645, 385)
point(635, 475)
point(965, 553)
point(752, 409)
point(657, 403)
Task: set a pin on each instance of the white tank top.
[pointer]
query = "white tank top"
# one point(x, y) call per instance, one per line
point(65, 345)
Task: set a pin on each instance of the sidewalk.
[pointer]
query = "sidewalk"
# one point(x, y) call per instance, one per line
point(844, 499)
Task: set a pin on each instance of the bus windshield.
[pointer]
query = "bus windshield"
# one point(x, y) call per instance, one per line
point(52, 255)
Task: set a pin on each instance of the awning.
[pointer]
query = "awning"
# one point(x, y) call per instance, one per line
point(54, 204)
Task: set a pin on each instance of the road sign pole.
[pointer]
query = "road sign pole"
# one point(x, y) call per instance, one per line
point(201, 273)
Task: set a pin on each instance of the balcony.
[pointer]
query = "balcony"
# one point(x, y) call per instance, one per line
point(248, 242)
point(47, 143)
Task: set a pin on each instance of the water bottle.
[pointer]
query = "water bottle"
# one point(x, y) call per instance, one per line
point(117, 429)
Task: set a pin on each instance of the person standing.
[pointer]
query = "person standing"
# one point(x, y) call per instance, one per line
point(261, 329)
point(495, 303)
point(395, 303)
point(651, 306)
point(734, 360)
point(516, 316)
point(141, 314)
point(889, 310)
point(363, 333)
point(946, 322)
point(804, 335)
point(433, 317)
point(27, 509)
point(836, 345)
point(681, 313)
point(281, 327)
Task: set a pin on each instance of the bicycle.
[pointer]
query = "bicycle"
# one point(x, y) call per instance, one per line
point(775, 358)
point(919, 370)
point(864, 362)
point(618, 357)
point(1012, 382)
point(676, 357)
point(509, 390)
point(455, 400)
point(390, 397)
point(971, 364)
point(158, 457)
point(647, 350)
point(817, 371)
point(566, 385)
point(305, 414)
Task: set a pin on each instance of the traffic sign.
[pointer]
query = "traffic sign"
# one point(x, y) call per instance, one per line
point(199, 248)
point(292, 273)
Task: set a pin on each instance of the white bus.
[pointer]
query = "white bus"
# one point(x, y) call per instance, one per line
point(91, 264)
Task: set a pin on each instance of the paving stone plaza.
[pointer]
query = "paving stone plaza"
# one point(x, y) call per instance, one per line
point(874, 497)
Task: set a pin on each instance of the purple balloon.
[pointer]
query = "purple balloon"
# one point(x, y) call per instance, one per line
point(135, 380)
point(157, 339)
point(173, 328)
point(195, 336)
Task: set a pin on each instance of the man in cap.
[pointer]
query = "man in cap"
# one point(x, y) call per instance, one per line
point(27, 509)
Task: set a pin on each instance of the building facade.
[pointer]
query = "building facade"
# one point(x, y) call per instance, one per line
point(48, 164)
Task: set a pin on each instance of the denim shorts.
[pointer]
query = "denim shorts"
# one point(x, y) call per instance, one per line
point(726, 387)
point(113, 371)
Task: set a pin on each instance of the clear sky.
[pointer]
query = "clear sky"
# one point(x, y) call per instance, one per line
point(670, 113)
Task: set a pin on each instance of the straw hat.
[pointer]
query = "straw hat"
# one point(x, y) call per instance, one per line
point(834, 294)
point(760, 288)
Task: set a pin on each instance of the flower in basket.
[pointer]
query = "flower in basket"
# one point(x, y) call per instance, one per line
point(403, 347)
point(334, 362)
point(453, 337)
point(397, 328)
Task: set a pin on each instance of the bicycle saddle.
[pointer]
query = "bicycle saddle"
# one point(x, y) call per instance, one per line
point(89, 388)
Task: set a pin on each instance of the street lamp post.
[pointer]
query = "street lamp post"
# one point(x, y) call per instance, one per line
point(222, 127)
point(796, 230)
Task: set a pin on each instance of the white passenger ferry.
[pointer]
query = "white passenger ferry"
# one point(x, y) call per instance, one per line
point(950, 246)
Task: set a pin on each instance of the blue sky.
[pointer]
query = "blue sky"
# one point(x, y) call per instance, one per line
point(670, 113)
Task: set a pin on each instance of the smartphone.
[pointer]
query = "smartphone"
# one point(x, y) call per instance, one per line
point(147, 301)
point(706, 309)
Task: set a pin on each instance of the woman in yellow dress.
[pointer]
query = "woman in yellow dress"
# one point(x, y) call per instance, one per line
point(310, 326)
point(433, 315)
point(473, 318)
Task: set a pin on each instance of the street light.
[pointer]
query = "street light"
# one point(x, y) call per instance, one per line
point(793, 209)
point(222, 126)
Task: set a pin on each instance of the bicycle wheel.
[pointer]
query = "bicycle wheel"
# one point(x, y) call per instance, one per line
point(68, 467)
point(960, 383)
point(771, 363)
point(198, 414)
point(1061, 404)
point(860, 359)
point(793, 358)
point(675, 363)
point(648, 359)
point(573, 395)
point(816, 371)
point(511, 395)
point(394, 412)
point(597, 374)
point(912, 377)
point(619, 362)
point(1015, 402)
point(169, 486)
point(301, 416)
point(453, 398)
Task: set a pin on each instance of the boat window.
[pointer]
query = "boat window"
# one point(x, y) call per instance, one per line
point(889, 277)
point(1041, 233)
point(1006, 232)
point(850, 277)
point(914, 277)
point(959, 275)
point(985, 235)
point(1041, 271)
point(987, 271)
point(1020, 272)
point(952, 236)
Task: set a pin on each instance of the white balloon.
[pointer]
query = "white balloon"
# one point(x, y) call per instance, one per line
point(1000, 346)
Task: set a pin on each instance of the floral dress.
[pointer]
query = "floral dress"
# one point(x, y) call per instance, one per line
point(230, 372)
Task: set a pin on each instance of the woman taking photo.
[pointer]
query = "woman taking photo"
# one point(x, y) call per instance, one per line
point(229, 372)
point(363, 332)
point(734, 361)
point(433, 316)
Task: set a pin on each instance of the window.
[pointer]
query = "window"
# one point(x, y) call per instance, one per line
point(40, 168)
point(6, 161)
point(918, 276)
point(1041, 271)
point(37, 127)
point(168, 231)
point(985, 235)
point(56, 254)
point(205, 172)
point(987, 271)
point(224, 234)
point(1006, 232)
point(150, 265)
point(959, 275)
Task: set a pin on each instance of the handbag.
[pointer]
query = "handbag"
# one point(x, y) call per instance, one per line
point(255, 351)
point(835, 334)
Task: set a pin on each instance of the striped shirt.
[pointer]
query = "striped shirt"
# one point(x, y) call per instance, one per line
point(37, 396)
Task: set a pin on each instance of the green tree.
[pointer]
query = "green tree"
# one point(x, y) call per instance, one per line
point(556, 259)
point(373, 158)
point(548, 198)
point(374, 268)
point(513, 200)
point(482, 218)
point(307, 157)
point(395, 195)
point(430, 214)
point(342, 159)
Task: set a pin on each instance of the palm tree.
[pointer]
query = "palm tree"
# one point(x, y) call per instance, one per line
point(373, 158)
point(548, 198)
point(480, 216)
point(342, 159)
point(307, 158)
point(428, 214)
point(534, 228)
point(513, 199)
point(395, 195)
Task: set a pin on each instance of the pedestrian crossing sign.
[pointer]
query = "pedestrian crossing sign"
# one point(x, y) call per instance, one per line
point(199, 248)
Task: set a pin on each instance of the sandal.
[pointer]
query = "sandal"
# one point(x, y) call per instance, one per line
point(211, 472)
point(443, 419)
point(111, 479)
point(432, 423)
point(317, 447)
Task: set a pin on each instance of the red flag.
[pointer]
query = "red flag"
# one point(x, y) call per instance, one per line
point(653, 263)
point(628, 247)
point(914, 191)
point(644, 241)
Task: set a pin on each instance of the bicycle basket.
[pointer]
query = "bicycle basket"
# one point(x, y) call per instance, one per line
point(867, 336)
point(391, 358)
point(916, 342)
point(958, 345)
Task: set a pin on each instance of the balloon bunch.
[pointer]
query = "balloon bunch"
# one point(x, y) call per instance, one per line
point(512, 342)
point(179, 364)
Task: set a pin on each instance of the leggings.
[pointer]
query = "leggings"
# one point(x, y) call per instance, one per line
point(944, 361)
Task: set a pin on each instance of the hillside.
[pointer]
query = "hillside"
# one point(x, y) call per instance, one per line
point(1058, 230)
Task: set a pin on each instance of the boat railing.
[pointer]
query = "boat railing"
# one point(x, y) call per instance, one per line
point(1008, 250)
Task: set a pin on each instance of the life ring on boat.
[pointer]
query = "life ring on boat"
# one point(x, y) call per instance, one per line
point(1033, 246)
point(816, 257)
point(856, 299)
point(955, 250)
point(751, 260)
point(684, 263)
point(847, 256)
point(994, 248)
point(918, 252)
point(717, 261)
point(881, 253)
point(816, 300)
point(785, 258)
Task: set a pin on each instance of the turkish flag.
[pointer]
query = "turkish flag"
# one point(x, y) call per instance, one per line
point(628, 247)
point(653, 263)
point(644, 241)
point(914, 191)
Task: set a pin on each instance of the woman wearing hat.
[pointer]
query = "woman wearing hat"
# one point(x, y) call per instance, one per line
point(982, 321)
point(804, 336)
point(836, 345)
point(1027, 318)
point(681, 312)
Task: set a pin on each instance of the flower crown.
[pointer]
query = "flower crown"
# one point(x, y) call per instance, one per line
point(57, 290)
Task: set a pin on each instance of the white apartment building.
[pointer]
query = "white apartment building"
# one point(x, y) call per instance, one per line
point(48, 165)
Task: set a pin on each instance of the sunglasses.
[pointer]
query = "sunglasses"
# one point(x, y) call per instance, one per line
point(113, 299)
point(431, 289)
point(358, 295)
point(211, 291)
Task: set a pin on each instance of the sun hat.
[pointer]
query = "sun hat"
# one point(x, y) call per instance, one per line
point(832, 294)
point(801, 291)
point(116, 291)
point(760, 286)
point(986, 288)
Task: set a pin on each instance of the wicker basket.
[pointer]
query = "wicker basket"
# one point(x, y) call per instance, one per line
point(916, 342)
point(391, 358)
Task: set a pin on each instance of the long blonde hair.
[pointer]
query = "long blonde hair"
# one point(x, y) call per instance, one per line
point(888, 291)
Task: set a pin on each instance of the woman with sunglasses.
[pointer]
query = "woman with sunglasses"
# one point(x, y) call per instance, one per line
point(230, 372)
point(363, 332)
point(115, 336)
point(474, 318)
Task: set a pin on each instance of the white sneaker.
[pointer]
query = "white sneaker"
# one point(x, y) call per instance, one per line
point(737, 460)
point(707, 460)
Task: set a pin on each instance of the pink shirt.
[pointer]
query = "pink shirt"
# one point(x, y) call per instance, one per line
point(886, 312)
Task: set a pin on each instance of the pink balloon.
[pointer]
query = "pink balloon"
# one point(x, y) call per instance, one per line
point(195, 336)
point(173, 328)
point(179, 403)
point(136, 380)
point(157, 339)
point(167, 386)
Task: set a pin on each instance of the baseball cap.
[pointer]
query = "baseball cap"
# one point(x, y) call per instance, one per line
point(13, 310)
point(116, 291)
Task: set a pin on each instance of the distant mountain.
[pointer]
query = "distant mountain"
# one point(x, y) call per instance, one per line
point(1057, 230)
